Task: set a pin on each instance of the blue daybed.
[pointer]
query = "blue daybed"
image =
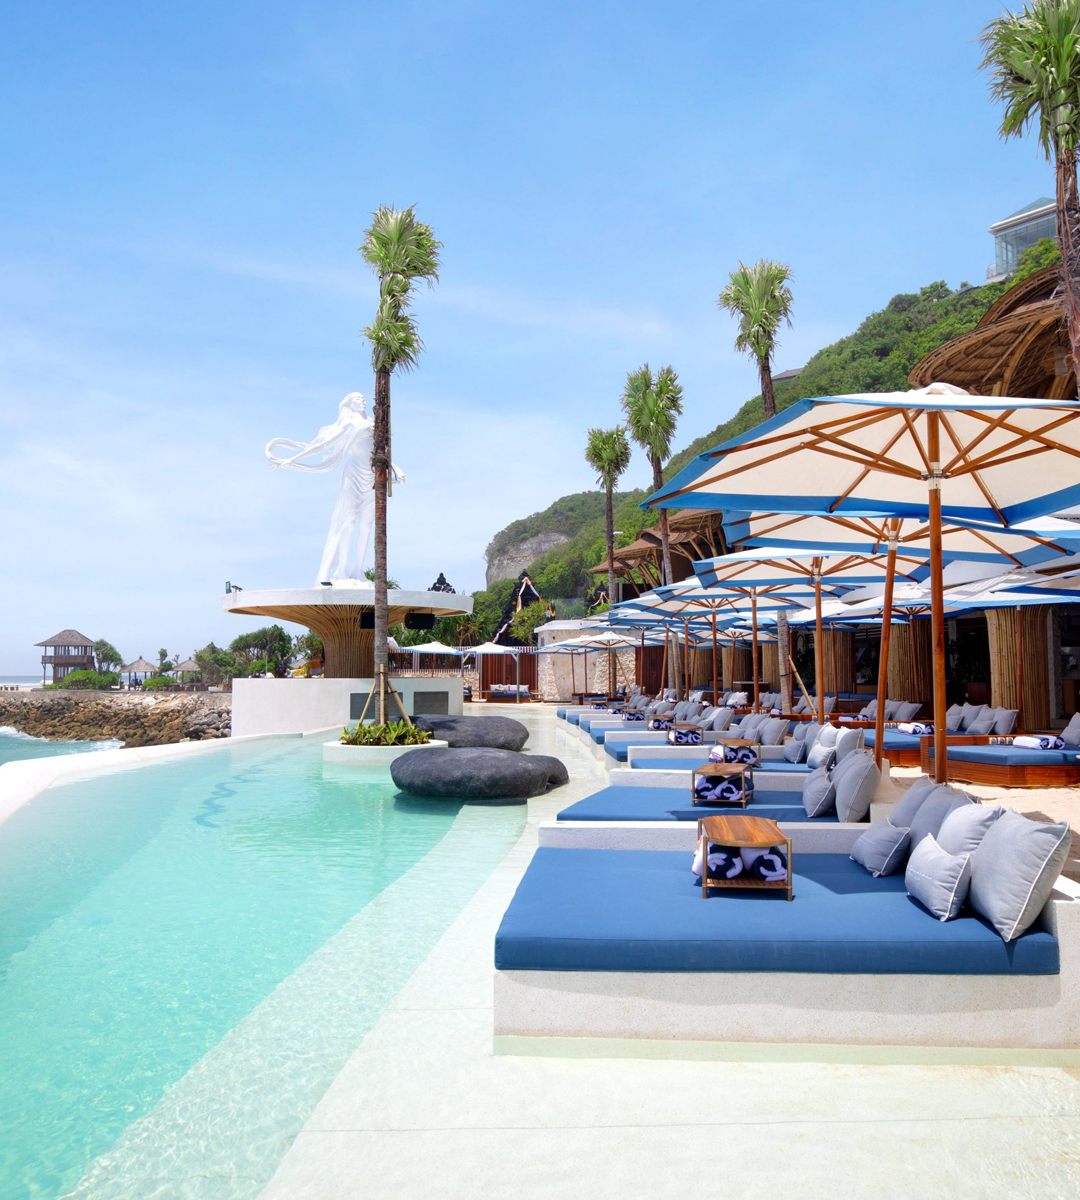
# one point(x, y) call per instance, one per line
point(642, 911)
point(621, 803)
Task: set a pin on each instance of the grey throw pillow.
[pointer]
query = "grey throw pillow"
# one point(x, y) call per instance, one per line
point(892, 707)
point(937, 879)
point(1013, 871)
point(952, 722)
point(881, 849)
point(869, 710)
point(856, 786)
point(1070, 735)
point(983, 725)
point(965, 827)
point(1005, 720)
point(969, 713)
point(818, 794)
point(823, 751)
point(907, 710)
point(933, 811)
point(905, 811)
point(800, 730)
point(848, 740)
point(722, 720)
point(794, 751)
point(771, 732)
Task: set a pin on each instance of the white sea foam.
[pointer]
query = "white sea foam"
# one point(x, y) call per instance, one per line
point(12, 732)
point(9, 731)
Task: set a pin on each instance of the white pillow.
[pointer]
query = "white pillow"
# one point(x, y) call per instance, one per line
point(823, 750)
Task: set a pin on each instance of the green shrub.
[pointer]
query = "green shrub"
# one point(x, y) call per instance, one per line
point(155, 683)
point(393, 733)
point(99, 681)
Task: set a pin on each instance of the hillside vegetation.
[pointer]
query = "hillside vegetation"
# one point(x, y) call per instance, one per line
point(875, 358)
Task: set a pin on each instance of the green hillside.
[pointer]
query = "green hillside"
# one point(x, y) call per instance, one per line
point(875, 358)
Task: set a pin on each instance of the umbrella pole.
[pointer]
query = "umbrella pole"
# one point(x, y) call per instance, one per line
point(1019, 670)
point(517, 678)
point(663, 664)
point(819, 649)
point(715, 692)
point(754, 650)
point(937, 599)
point(883, 654)
point(573, 676)
point(686, 660)
point(914, 660)
point(639, 674)
point(835, 669)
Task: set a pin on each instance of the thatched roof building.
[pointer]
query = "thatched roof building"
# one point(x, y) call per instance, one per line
point(68, 650)
point(1019, 348)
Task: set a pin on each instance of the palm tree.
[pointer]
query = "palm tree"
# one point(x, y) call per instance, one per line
point(653, 404)
point(1033, 57)
point(401, 251)
point(608, 453)
point(760, 298)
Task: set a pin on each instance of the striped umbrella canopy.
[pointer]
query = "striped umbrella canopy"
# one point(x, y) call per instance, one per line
point(935, 454)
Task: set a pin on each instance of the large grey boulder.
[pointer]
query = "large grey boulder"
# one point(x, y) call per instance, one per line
point(477, 773)
point(500, 733)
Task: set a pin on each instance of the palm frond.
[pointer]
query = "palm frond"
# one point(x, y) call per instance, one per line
point(652, 405)
point(760, 298)
point(608, 453)
point(1033, 60)
point(395, 342)
point(402, 251)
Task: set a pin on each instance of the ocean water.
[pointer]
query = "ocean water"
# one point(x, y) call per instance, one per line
point(15, 745)
point(189, 953)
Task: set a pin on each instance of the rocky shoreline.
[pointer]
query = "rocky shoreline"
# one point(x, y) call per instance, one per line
point(133, 718)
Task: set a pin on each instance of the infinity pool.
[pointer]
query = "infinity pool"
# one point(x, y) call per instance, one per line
point(189, 952)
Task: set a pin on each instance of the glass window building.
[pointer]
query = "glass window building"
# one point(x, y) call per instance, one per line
point(1017, 232)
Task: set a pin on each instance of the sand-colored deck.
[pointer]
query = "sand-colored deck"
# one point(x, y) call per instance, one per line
point(425, 1108)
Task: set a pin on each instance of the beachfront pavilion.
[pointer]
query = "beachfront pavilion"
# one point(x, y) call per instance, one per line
point(66, 651)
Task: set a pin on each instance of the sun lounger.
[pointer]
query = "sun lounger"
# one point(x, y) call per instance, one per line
point(1005, 765)
point(673, 804)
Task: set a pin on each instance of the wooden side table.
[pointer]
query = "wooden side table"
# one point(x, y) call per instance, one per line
point(757, 833)
point(716, 770)
point(740, 743)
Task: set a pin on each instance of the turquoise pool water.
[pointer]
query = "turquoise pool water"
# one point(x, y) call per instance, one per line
point(189, 952)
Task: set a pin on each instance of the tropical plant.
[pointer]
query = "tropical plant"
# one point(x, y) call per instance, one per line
point(164, 662)
point(653, 404)
point(402, 252)
point(106, 655)
point(156, 683)
point(525, 621)
point(608, 453)
point(1033, 59)
point(391, 583)
point(90, 680)
point(217, 667)
point(760, 298)
point(270, 646)
point(389, 733)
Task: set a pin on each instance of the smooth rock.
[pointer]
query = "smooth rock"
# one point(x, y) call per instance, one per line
point(477, 773)
point(499, 733)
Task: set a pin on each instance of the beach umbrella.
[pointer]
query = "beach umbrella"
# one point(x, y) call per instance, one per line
point(493, 648)
point(935, 454)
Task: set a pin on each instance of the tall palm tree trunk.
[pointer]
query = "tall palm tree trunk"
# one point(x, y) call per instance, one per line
point(610, 548)
point(674, 671)
point(783, 653)
point(380, 461)
point(768, 397)
point(1068, 232)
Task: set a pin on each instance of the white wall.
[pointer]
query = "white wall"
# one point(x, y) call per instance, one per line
point(300, 705)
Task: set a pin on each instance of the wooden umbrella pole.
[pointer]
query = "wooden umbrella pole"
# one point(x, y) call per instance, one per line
point(883, 655)
point(663, 663)
point(686, 659)
point(715, 684)
point(1019, 669)
point(937, 597)
point(819, 649)
point(573, 675)
point(586, 674)
point(754, 650)
point(914, 660)
point(639, 674)
point(835, 669)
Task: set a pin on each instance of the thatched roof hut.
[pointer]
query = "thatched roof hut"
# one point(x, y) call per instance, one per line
point(1019, 348)
point(70, 638)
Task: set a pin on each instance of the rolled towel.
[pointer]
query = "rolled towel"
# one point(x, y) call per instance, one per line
point(919, 727)
point(725, 862)
point(1039, 742)
point(770, 866)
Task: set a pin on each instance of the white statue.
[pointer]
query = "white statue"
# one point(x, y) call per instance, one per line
point(349, 439)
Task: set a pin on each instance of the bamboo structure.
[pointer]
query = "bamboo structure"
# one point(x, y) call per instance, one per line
point(909, 662)
point(1019, 656)
point(770, 664)
point(839, 659)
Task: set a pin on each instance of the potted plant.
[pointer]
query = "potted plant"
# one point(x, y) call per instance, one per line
point(377, 745)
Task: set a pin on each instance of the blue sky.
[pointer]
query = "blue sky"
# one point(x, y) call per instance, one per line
point(184, 187)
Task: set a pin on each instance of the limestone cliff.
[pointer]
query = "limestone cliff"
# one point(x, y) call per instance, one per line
point(511, 561)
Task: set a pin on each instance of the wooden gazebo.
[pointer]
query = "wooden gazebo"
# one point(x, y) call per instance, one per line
point(1019, 348)
point(66, 651)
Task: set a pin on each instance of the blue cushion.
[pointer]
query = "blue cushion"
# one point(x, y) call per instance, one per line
point(1013, 756)
point(687, 764)
point(894, 739)
point(561, 712)
point(640, 910)
point(622, 803)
